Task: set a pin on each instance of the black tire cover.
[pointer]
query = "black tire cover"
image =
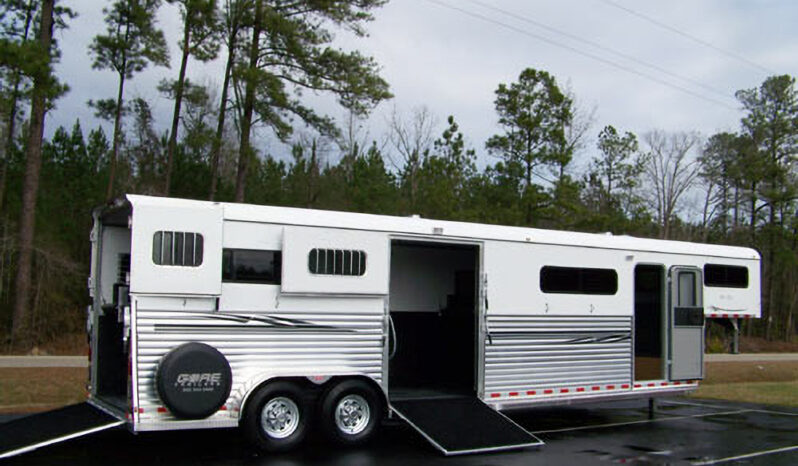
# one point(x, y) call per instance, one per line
point(194, 380)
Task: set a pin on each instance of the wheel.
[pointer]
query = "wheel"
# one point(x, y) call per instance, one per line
point(351, 412)
point(276, 418)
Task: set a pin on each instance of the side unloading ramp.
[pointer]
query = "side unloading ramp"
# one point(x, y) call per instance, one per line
point(461, 425)
point(38, 430)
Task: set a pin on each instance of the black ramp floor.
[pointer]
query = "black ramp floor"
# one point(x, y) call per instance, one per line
point(30, 432)
point(460, 425)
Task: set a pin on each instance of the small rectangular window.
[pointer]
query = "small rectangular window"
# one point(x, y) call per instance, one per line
point(177, 248)
point(252, 266)
point(578, 280)
point(726, 276)
point(687, 289)
point(337, 262)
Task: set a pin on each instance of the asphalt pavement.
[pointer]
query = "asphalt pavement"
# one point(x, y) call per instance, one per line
point(682, 431)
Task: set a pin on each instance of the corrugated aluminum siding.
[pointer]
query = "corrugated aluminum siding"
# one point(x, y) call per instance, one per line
point(280, 343)
point(531, 352)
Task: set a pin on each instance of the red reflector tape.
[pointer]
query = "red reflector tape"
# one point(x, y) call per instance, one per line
point(664, 384)
point(223, 408)
point(513, 393)
point(610, 387)
point(564, 390)
point(637, 385)
point(495, 395)
point(595, 388)
point(651, 385)
point(548, 391)
point(626, 385)
point(531, 392)
point(677, 383)
point(580, 389)
point(161, 409)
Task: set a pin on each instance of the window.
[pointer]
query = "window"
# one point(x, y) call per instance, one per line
point(177, 248)
point(687, 289)
point(727, 276)
point(337, 262)
point(252, 266)
point(575, 280)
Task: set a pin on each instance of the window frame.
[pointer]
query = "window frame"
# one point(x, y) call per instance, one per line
point(277, 270)
point(580, 279)
point(160, 239)
point(332, 262)
point(711, 283)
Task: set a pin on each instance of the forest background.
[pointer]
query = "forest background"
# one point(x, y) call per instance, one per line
point(549, 164)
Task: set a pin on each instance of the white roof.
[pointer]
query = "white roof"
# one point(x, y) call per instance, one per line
point(443, 228)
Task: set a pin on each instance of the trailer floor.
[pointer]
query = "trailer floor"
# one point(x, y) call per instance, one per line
point(684, 431)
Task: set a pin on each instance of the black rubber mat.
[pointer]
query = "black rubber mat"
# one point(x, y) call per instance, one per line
point(40, 429)
point(460, 425)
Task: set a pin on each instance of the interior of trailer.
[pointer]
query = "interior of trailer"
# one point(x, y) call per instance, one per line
point(112, 268)
point(649, 319)
point(433, 310)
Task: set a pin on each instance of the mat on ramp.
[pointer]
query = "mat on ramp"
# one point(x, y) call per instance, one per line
point(463, 424)
point(38, 430)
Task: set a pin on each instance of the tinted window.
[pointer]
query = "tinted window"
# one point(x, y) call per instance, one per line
point(251, 266)
point(728, 276)
point(337, 262)
point(177, 248)
point(687, 289)
point(576, 280)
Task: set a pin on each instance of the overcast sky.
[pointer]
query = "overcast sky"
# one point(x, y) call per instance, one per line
point(638, 63)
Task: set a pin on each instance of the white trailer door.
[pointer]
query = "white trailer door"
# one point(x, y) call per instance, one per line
point(686, 322)
point(334, 261)
point(176, 248)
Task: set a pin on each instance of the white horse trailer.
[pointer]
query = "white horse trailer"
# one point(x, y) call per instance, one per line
point(211, 314)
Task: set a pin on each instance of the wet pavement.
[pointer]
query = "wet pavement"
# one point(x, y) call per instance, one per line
point(683, 431)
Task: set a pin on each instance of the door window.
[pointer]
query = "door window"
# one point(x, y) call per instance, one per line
point(687, 290)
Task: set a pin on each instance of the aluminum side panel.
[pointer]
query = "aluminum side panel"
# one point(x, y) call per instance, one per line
point(258, 346)
point(540, 352)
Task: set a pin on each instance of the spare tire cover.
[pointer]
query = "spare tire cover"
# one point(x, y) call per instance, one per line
point(193, 380)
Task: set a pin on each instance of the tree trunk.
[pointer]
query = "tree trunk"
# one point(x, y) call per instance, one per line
point(109, 194)
point(245, 150)
point(30, 185)
point(12, 112)
point(181, 78)
point(217, 142)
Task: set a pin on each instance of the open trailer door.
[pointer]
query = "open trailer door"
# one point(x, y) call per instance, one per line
point(686, 324)
point(39, 430)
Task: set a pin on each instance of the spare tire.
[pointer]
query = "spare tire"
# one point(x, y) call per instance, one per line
point(193, 380)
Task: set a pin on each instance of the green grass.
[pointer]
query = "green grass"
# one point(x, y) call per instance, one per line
point(771, 393)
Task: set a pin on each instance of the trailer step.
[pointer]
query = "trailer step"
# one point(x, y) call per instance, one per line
point(38, 430)
point(463, 424)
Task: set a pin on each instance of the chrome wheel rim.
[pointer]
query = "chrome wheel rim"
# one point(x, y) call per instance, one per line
point(352, 414)
point(279, 417)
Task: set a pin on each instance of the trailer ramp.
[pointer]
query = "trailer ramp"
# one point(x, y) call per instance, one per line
point(463, 424)
point(38, 430)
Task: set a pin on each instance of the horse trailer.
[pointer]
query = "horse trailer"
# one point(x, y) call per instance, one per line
point(275, 319)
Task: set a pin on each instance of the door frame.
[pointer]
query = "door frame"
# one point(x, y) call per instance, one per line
point(664, 319)
point(480, 325)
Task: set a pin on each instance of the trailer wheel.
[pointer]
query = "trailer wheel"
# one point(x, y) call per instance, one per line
point(276, 418)
point(351, 412)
